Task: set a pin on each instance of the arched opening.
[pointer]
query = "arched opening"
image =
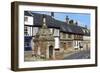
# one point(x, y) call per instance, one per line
point(50, 52)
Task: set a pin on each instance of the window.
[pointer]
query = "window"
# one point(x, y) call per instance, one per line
point(26, 30)
point(69, 35)
point(27, 44)
point(69, 44)
point(51, 30)
point(25, 18)
point(64, 35)
point(75, 36)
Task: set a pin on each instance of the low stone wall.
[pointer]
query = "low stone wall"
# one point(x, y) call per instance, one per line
point(59, 55)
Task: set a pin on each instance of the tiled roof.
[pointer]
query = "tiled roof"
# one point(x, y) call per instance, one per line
point(38, 21)
point(86, 31)
point(53, 23)
point(27, 13)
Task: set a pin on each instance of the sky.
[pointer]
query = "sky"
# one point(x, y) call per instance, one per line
point(82, 18)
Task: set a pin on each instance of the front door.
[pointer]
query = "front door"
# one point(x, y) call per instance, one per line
point(50, 52)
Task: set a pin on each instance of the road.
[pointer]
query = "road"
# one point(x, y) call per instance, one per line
point(85, 54)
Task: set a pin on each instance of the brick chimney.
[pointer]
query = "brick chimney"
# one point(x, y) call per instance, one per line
point(44, 19)
point(67, 20)
point(44, 22)
point(52, 14)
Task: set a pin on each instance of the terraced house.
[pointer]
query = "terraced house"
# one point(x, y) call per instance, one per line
point(50, 38)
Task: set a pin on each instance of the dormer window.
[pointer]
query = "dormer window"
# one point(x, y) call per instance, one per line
point(84, 30)
point(87, 31)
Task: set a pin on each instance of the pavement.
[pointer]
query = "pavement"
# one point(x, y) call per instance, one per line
point(28, 57)
point(71, 54)
point(81, 54)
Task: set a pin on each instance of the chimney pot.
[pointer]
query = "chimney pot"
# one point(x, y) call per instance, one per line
point(67, 20)
point(44, 19)
point(52, 14)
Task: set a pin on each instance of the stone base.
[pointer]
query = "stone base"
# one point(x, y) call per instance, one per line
point(58, 54)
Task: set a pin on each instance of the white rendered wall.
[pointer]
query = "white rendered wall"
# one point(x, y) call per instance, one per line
point(30, 20)
point(86, 37)
point(56, 32)
point(57, 42)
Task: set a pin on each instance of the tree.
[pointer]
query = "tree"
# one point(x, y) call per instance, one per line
point(76, 23)
point(71, 22)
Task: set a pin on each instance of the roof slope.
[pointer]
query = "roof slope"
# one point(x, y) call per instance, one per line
point(53, 23)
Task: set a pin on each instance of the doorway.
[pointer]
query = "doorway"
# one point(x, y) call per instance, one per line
point(50, 52)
